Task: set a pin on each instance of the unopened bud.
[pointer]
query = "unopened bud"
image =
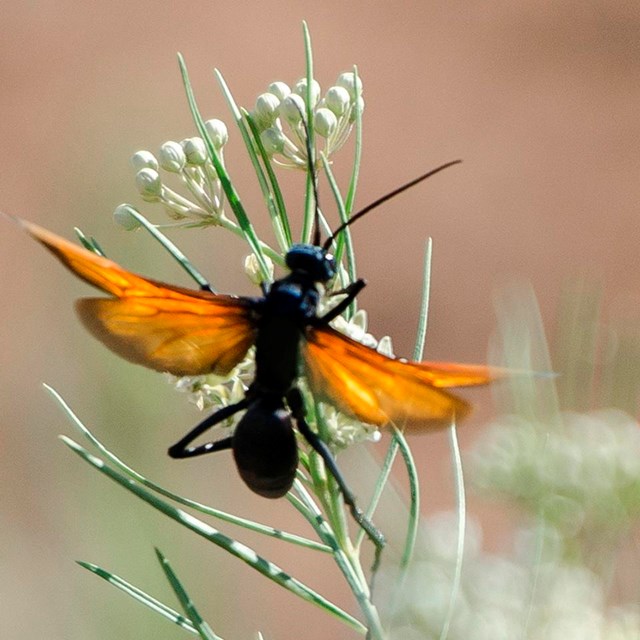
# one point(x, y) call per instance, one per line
point(149, 184)
point(172, 157)
point(195, 150)
point(123, 217)
point(218, 132)
point(144, 160)
point(325, 122)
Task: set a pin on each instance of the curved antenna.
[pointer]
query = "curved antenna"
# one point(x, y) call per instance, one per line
point(388, 196)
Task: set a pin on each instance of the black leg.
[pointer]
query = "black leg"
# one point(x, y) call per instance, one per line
point(352, 291)
point(181, 448)
point(296, 405)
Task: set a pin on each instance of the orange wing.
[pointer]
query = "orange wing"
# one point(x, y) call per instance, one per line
point(166, 328)
point(378, 390)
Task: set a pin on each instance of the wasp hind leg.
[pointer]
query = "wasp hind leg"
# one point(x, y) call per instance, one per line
point(296, 405)
point(181, 449)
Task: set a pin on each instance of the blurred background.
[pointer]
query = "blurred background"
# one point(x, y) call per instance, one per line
point(540, 100)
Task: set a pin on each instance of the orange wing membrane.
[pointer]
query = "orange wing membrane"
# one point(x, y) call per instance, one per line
point(379, 390)
point(162, 327)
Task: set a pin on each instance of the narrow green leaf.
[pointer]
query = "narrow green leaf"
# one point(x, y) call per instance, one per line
point(140, 596)
point(346, 235)
point(353, 182)
point(216, 513)
point(235, 548)
point(179, 257)
point(414, 498)
point(462, 523)
point(90, 244)
point(421, 336)
point(381, 483)
point(357, 157)
point(310, 204)
point(399, 442)
point(225, 180)
point(253, 153)
point(280, 219)
point(205, 631)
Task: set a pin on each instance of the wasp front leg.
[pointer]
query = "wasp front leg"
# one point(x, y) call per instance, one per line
point(351, 291)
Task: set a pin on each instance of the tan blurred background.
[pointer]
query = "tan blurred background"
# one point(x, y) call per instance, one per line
point(539, 99)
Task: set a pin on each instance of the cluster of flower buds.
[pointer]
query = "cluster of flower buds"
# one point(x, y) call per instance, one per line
point(189, 161)
point(211, 391)
point(279, 114)
point(344, 431)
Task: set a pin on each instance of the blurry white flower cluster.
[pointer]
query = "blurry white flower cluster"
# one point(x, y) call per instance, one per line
point(502, 598)
point(580, 476)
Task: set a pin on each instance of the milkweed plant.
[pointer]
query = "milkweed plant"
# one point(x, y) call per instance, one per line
point(576, 474)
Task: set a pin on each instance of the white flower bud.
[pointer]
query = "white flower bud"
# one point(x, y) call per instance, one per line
point(266, 110)
point(237, 391)
point(218, 132)
point(385, 347)
point(144, 160)
point(348, 81)
point(301, 90)
point(273, 140)
point(122, 216)
point(293, 108)
point(360, 319)
point(252, 268)
point(279, 89)
point(195, 150)
point(149, 184)
point(337, 99)
point(325, 122)
point(172, 157)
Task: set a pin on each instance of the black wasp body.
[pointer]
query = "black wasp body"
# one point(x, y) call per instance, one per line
point(264, 443)
point(187, 332)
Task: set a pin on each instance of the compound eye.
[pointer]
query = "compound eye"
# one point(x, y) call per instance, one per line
point(330, 266)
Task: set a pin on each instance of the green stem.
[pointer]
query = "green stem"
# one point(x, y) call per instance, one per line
point(234, 547)
point(216, 513)
point(346, 561)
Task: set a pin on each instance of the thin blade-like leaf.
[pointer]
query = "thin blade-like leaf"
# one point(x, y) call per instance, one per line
point(140, 596)
point(235, 548)
point(202, 508)
point(205, 631)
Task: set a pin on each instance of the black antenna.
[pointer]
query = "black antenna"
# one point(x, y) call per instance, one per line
point(312, 173)
point(379, 201)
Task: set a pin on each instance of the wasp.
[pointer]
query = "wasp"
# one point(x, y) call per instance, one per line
point(189, 332)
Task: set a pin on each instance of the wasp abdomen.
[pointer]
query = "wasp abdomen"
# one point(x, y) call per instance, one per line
point(265, 449)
